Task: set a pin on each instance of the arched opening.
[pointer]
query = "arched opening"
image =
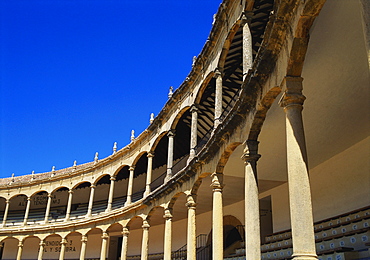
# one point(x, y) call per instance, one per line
point(141, 167)
point(120, 187)
point(101, 194)
point(17, 208)
point(80, 200)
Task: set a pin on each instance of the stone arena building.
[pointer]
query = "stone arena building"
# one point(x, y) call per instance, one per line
point(232, 167)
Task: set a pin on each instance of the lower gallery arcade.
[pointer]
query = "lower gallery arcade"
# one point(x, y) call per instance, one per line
point(246, 175)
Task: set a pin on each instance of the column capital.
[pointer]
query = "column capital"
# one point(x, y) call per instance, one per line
point(167, 214)
point(125, 231)
point(42, 243)
point(131, 168)
point(112, 178)
point(150, 155)
point(251, 151)
point(70, 191)
point(92, 186)
point(194, 108)
point(246, 17)
point(217, 181)
point(50, 195)
point(20, 244)
point(218, 73)
point(293, 92)
point(7, 201)
point(105, 235)
point(84, 239)
point(145, 225)
point(171, 133)
point(28, 198)
point(191, 201)
point(63, 242)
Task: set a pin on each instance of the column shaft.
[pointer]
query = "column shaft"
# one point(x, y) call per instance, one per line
point(298, 181)
point(103, 251)
point(110, 196)
point(91, 201)
point(130, 184)
point(83, 247)
point(62, 249)
point(27, 211)
point(193, 131)
point(252, 214)
point(6, 212)
point(149, 174)
point(41, 250)
point(217, 218)
point(218, 98)
point(191, 230)
point(171, 136)
point(145, 241)
point(20, 250)
point(167, 235)
point(125, 234)
point(69, 205)
point(46, 220)
point(247, 47)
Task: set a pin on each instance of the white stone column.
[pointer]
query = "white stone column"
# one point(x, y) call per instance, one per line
point(62, 249)
point(251, 209)
point(69, 205)
point(110, 196)
point(171, 136)
point(104, 244)
point(125, 233)
point(41, 249)
point(218, 98)
point(247, 44)
point(149, 172)
point(27, 211)
point(193, 131)
point(145, 241)
point(167, 234)
point(217, 218)
point(91, 200)
point(298, 180)
point(130, 185)
point(20, 250)
point(47, 212)
point(191, 245)
point(7, 204)
point(83, 247)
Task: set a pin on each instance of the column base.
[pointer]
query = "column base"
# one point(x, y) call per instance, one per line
point(304, 257)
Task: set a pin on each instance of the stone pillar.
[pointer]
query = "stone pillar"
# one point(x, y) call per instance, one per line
point(20, 250)
point(125, 233)
point(27, 211)
point(193, 131)
point(191, 245)
point(247, 44)
point(130, 185)
point(298, 180)
point(252, 213)
point(83, 247)
point(91, 200)
point(167, 234)
point(7, 204)
point(41, 249)
point(62, 249)
point(171, 136)
point(111, 190)
point(217, 218)
point(69, 205)
point(103, 251)
point(218, 98)
point(47, 212)
point(149, 174)
point(145, 241)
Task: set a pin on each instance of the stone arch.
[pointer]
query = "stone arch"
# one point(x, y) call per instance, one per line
point(157, 140)
point(29, 244)
point(80, 184)
point(119, 168)
point(174, 199)
point(225, 156)
point(10, 247)
point(203, 87)
point(100, 177)
point(178, 117)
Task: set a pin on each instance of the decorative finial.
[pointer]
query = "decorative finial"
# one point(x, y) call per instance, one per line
point(170, 92)
point(53, 169)
point(12, 177)
point(114, 147)
point(194, 60)
point(214, 19)
point(96, 158)
point(32, 175)
point(132, 135)
point(151, 118)
point(74, 165)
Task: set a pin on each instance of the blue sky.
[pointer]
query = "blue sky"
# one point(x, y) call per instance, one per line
point(79, 75)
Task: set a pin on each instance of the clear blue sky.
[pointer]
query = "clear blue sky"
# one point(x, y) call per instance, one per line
point(78, 75)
